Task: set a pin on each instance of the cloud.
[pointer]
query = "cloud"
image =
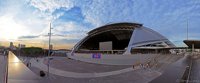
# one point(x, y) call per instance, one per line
point(10, 29)
point(19, 19)
point(28, 37)
point(94, 11)
point(100, 12)
point(69, 26)
point(48, 11)
point(51, 5)
point(47, 7)
point(56, 39)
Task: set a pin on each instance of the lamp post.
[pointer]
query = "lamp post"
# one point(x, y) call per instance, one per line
point(187, 29)
point(187, 34)
point(49, 47)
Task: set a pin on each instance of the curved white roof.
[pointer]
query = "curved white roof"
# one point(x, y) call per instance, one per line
point(143, 36)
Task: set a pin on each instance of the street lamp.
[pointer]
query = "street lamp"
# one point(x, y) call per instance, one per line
point(49, 47)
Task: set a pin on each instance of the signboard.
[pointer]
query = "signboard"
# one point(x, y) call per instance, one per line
point(96, 55)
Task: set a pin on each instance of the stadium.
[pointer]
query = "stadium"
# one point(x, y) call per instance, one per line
point(123, 38)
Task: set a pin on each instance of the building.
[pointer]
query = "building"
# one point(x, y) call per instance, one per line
point(123, 38)
point(12, 47)
point(194, 45)
point(21, 45)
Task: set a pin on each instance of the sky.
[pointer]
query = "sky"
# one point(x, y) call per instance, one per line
point(28, 21)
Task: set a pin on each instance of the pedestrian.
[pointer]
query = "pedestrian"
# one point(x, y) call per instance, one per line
point(144, 66)
point(30, 64)
point(148, 65)
point(133, 66)
point(27, 64)
point(141, 65)
point(4, 52)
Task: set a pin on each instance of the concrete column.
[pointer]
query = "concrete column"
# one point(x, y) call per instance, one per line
point(192, 48)
point(156, 50)
point(128, 51)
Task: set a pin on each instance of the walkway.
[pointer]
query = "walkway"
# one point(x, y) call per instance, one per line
point(59, 72)
point(18, 72)
point(174, 72)
point(195, 72)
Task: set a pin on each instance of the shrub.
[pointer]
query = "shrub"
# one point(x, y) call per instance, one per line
point(32, 51)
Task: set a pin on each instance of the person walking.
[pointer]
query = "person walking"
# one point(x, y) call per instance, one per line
point(27, 64)
point(30, 64)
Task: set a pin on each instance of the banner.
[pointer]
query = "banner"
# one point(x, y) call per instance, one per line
point(96, 55)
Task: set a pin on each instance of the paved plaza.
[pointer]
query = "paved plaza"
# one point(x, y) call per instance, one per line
point(65, 70)
point(128, 74)
point(68, 70)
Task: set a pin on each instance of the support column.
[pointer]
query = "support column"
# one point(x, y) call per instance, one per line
point(192, 48)
point(128, 51)
point(156, 50)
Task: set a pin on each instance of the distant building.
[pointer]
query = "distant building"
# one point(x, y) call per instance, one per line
point(21, 45)
point(194, 45)
point(12, 47)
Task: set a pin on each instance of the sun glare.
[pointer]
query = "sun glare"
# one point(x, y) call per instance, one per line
point(9, 29)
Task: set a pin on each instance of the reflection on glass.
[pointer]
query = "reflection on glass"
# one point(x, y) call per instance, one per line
point(14, 63)
point(13, 58)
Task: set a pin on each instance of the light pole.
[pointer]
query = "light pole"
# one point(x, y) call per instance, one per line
point(19, 49)
point(49, 47)
point(187, 29)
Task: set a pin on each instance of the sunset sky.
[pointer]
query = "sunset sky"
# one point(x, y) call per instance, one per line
point(28, 21)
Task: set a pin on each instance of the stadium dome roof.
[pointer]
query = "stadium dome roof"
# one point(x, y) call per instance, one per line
point(124, 36)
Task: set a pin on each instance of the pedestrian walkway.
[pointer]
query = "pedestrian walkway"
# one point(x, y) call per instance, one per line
point(174, 72)
point(195, 72)
point(59, 72)
point(18, 72)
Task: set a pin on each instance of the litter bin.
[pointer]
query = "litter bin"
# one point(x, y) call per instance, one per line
point(42, 74)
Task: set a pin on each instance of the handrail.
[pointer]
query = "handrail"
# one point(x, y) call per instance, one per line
point(188, 77)
point(6, 74)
